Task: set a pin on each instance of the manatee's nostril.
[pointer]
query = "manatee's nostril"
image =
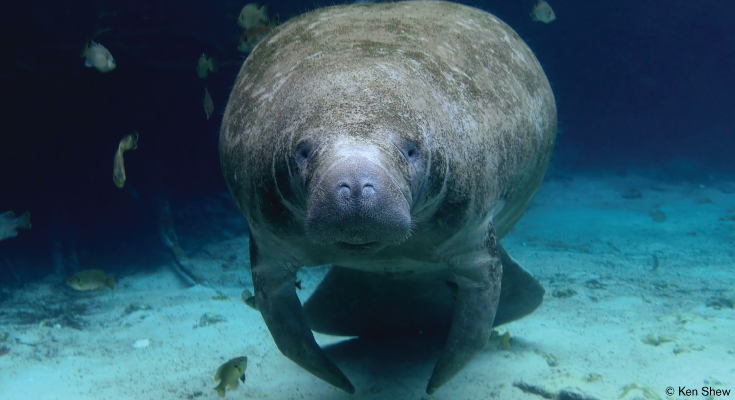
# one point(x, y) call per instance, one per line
point(368, 190)
point(344, 191)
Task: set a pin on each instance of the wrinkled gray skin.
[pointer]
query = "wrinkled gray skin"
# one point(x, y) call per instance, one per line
point(401, 140)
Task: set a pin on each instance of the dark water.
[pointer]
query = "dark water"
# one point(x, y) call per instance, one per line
point(638, 84)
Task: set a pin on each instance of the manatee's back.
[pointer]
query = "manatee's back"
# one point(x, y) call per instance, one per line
point(463, 77)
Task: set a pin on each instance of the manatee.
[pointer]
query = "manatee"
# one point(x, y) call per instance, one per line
point(398, 142)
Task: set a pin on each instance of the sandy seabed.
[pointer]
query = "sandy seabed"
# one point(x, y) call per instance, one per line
point(633, 305)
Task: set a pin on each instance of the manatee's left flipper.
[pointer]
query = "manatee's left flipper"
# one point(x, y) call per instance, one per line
point(281, 309)
point(478, 276)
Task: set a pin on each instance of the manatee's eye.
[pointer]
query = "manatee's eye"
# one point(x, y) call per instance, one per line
point(303, 153)
point(411, 152)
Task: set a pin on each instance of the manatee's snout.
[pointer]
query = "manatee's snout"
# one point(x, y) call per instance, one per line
point(355, 192)
point(358, 205)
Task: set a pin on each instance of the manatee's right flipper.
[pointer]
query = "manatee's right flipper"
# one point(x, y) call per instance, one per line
point(478, 273)
point(281, 309)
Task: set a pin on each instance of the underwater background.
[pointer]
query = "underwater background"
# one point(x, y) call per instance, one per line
point(638, 85)
point(645, 93)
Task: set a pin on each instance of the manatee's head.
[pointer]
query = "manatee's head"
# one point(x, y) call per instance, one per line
point(357, 186)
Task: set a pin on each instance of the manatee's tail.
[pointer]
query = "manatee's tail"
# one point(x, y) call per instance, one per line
point(110, 282)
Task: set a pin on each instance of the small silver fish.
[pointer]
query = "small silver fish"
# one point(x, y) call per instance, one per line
point(98, 57)
point(9, 224)
point(251, 16)
point(251, 37)
point(129, 142)
point(208, 105)
point(542, 12)
point(206, 65)
point(228, 374)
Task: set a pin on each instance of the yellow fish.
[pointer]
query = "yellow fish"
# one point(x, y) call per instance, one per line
point(98, 57)
point(208, 105)
point(251, 16)
point(228, 374)
point(129, 142)
point(249, 299)
point(205, 65)
point(497, 340)
point(91, 279)
point(542, 12)
point(9, 224)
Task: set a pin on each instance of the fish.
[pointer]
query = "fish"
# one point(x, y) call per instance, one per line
point(542, 12)
point(254, 32)
point(499, 341)
point(251, 16)
point(91, 279)
point(228, 374)
point(206, 65)
point(251, 37)
point(248, 45)
point(208, 105)
point(9, 224)
point(97, 56)
point(129, 142)
point(249, 299)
